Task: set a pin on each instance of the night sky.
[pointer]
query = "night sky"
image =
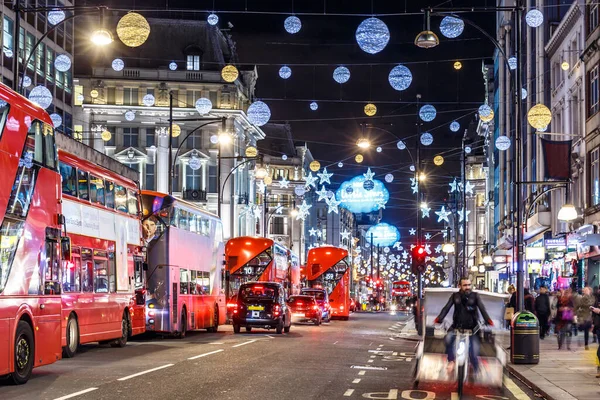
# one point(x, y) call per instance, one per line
point(326, 41)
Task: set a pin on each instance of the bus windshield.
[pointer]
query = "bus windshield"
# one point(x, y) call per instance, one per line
point(158, 214)
point(249, 272)
point(330, 278)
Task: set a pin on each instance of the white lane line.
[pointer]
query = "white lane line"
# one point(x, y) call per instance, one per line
point(392, 338)
point(245, 343)
point(370, 344)
point(361, 373)
point(270, 337)
point(357, 380)
point(348, 392)
point(145, 372)
point(69, 396)
point(395, 353)
point(369, 361)
point(205, 354)
point(514, 389)
point(381, 345)
point(369, 367)
point(216, 343)
point(336, 342)
point(372, 357)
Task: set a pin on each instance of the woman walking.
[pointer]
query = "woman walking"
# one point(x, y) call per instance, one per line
point(564, 318)
point(596, 328)
point(583, 305)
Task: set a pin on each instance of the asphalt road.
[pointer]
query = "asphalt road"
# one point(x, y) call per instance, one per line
point(365, 357)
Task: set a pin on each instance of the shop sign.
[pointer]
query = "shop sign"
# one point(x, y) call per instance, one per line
point(555, 243)
point(583, 250)
point(535, 253)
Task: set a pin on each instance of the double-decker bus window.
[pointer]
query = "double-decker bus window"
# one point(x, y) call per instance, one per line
point(10, 232)
point(96, 190)
point(182, 221)
point(4, 107)
point(101, 276)
point(194, 287)
point(184, 280)
point(83, 185)
point(69, 179)
point(71, 276)
point(35, 142)
point(132, 202)
point(87, 271)
point(332, 276)
point(52, 272)
point(138, 271)
point(205, 288)
point(109, 194)
point(120, 198)
point(112, 273)
point(49, 147)
point(193, 223)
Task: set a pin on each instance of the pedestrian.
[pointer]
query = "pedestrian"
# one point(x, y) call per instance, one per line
point(553, 311)
point(511, 305)
point(564, 318)
point(528, 301)
point(596, 329)
point(583, 305)
point(542, 310)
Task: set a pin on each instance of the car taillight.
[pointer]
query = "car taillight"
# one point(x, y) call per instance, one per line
point(315, 307)
point(231, 305)
point(276, 310)
point(299, 303)
point(342, 308)
point(235, 308)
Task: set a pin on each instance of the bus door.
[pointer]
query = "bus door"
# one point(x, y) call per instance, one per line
point(138, 308)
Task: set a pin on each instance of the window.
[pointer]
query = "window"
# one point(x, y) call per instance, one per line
point(120, 198)
point(191, 97)
point(87, 271)
point(109, 194)
point(69, 179)
point(71, 279)
point(10, 233)
point(193, 178)
point(194, 141)
point(83, 185)
point(112, 273)
point(28, 49)
point(7, 33)
point(96, 190)
point(40, 59)
point(184, 280)
point(101, 274)
point(205, 286)
point(594, 91)
point(150, 137)
point(49, 64)
point(595, 176)
point(150, 184)
point(132, 202)
point(278, 226)
point(130, 137)
point(52, 267)
point(193, 62)
point(592, 18)
point(212, 179)
point(130, 97)
point(111, 95)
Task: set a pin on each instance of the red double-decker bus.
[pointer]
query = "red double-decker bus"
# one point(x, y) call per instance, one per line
point(260, 259)
point(30, 238)
point(401, 289)
point(327, 268)
point(100, 279)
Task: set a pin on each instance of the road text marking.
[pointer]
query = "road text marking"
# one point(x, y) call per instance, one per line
point(144, 372)
point(76, 394)
point(205, 354)
point(245, 343)
point(349, 392)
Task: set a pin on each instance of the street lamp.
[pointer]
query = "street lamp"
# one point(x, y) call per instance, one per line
point(363, 143)
point(448, 248)
point(567, 213)
point(487, 259)
point(260, 173)
point(427, 39)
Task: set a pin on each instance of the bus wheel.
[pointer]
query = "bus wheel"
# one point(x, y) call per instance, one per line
point(236, 328)
point(70, 349)
point(183, 331)
point(122, 341)
point(24, 353)
point(215, 327)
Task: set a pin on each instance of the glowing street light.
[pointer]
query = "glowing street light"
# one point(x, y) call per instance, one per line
point(567, 213)
point(363, 143)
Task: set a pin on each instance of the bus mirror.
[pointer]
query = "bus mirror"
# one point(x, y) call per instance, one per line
point(145, 266)
point(65, 244)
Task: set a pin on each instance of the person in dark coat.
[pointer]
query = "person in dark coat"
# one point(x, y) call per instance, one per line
point(542, 310)
point(528, 301)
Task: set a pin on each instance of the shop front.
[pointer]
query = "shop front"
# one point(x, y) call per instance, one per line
point(585, 270)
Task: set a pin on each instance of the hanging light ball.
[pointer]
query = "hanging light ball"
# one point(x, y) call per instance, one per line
point(412, 168)
point(539, 116)
point(214, 139)
point(133, 29)
point(457, 65)
point(502, 142)
point(438, 160)
point(359, 158)
point(523, 93)
point(340, 164)
point(41, 96)
point(349, 190)
point(284, 157)
point(565, 66)
point(534, 18)
point(26, 82)
point(56, 120)
point(285, 72)
point(379, 149)
point(401, 145)
point(512, 63)
point(314, 166)
point(212, 19)
point(203, 105)
point(94, 93)
point(259, 113)
point(427, 113)
point(468, 149)
point(370, 109)
point(484, 110)
point(389, 178)
point(173, 66)
point(148, 100)
point(314, 106)
point(268, 180)
point(341, 75)
point(8, 53)
point(118, 64)
point(175, 130)
point(62, 63)
point(543, 129)
point(400, 77)
point(129, 115)
point(194, 162)
point(292, 24)
point(426, 139)
point(372, 35)
point(487, 118)
point(452, 27)
point(368, 185)
point(454, 126)
point(55, 17)
point(299, 190)
point(106, 135)
point(229, 73)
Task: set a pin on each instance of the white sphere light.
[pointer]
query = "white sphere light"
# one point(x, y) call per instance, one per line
point(534, 18)
point(56, 17)
point(118, 64)
point(401, 145)
point(426, 139)
point(485, 110)
point(8, 53)
point(544, 129)
point(340, 164)
point(412, 168)
point(452, 27)
point(523, 93)
point(341, 75)
point(400, 77)
point(214, 139)
point(173, 66)
point(26, 81)
point(512, 63)
point(56, 120)
point(129, 115)
point(454, 126)
point(427, 113)
point(259, 113)
point(62, 63)
point(284, 157)
point(314, 106)
point(379, 149)
point(212, 19)
point(285, 72)
point(468, 149)
point(292, 24)
point(41, 96)
point(372, 35)
point(148, 100)
point(503, 142)
point(299, 190)
point(389, 178)
point(203, 105)
point(194, 162)
point(80, 97)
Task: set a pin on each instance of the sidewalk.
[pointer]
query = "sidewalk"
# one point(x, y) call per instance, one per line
point(562, 375)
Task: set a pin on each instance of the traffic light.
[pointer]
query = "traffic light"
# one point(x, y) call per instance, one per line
point(418, 259)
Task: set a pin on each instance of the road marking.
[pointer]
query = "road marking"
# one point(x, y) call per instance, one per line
point(370, 361)
point(76, 394)
point(392, 338)
point(336, 342)
point(270, 337)
point(348, 392)
point(381, 345)
point(370, 344)
point(361, 373)
point(369, 367)
point(216, 343)
point(372, 357)
point(395, 353)
point(514, 389)
point(357, 380)
point(245, 343)
point(205, 354)
point(381, 352)
point(145, 372)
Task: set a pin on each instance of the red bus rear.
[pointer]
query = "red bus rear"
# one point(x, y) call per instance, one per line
point(401, 288)
point(327, 268)
point(30, 238)
point(100, 279)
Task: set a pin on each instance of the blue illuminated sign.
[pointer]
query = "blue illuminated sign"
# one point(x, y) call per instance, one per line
point(383, 234)
point(356, 199)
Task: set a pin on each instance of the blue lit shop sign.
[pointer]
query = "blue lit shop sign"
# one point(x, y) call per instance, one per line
point(383, 234)
point(357, 199)
point(555, 243)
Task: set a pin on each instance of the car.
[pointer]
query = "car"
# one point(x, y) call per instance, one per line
point(261, 305)
point(305, 308)
point(322, 299)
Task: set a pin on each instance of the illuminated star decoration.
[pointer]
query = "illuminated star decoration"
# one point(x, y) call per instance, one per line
point(412, 231)
point(443, 215)
point(462, 216)
point(469, 188)
point(461, 230)
point(279, 208)
point(414, 185)
point(332, 205)
point(345, 234)
point(427, 236)
point(454, 186)
point(427, 249)
point(324, 176)
point(320, 234)
point(425, 211)
point(284, 183)
point(310, 180)
point(322, 193)
point(381, 205)
point(397, 245)
point(260, 186)
point(444, 233)
point(256, 211)
point(369, 175)
point(405, 254)
point(438, 248)
point(303, 210)
point(312, 232)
